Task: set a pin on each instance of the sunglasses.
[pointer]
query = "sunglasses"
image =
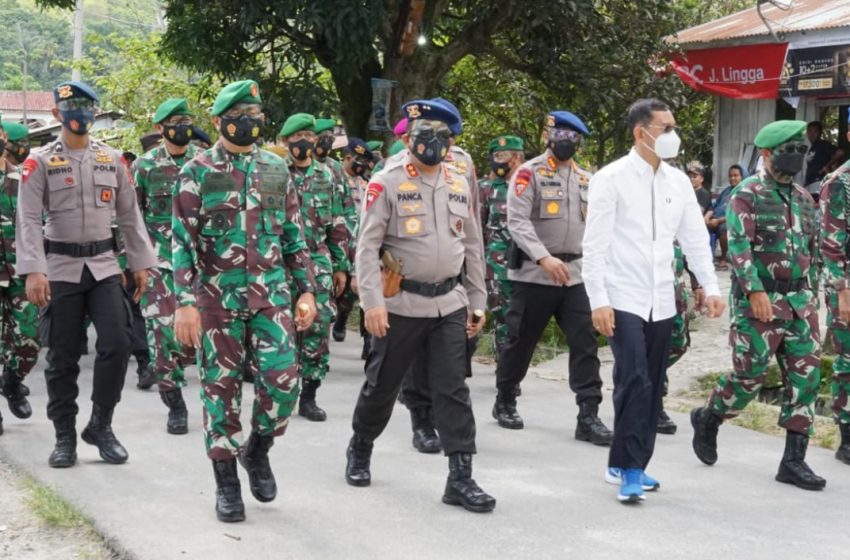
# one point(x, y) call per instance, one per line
point(667, 128)
point(792, 148)
point(76, 103)
point(557, 134)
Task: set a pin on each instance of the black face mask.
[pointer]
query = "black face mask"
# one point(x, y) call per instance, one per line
point(785, 166)
point(501, 170)
point(324, 146)
point(359, 169)
point(430, 149)
point(78, 121)
point(563, 150)
point(302, 149)
point(242, 130)
point(177, 134)
point(19, 151)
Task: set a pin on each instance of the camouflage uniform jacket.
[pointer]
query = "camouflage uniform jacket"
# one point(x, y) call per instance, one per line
point(322, 214)
point(772, 235)
point(835, 222)
point(155, 176)
point(10, 178)
point(493, 202)
point(237, 227)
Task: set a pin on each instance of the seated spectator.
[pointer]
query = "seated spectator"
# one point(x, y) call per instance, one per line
point(715, 217)
point(697, 174)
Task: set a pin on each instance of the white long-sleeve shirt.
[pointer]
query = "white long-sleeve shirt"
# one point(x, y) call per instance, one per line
point(633, 216)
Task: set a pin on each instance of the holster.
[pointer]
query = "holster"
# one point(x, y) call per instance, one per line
point(514, 256)
point(390, 282)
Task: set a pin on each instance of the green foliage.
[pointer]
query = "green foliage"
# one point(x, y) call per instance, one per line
point(41, 39)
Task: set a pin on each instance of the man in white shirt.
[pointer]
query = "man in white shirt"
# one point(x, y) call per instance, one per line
point(637, 206)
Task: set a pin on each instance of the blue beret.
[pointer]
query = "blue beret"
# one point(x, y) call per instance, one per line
point(457, 128)
point(560, 119)
point(427, 109)
point(358, 147)
point(67, 90)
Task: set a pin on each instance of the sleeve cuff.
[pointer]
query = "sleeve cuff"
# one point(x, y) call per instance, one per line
point(840, 284)
point(186, 298)
point(371, 299)
point(599, 299)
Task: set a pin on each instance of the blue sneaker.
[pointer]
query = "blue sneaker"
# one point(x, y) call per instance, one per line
point(630, 487)
point(614, 475)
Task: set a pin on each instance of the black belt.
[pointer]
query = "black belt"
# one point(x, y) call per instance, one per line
point(773, 285)
point(568, 257)
point(427, 289)
point(78, 250)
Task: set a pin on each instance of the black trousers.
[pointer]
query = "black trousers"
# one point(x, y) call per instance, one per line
point(532, 305)
point(70, 302)
point(415, 391)
point(138, 336)
point(640, 362)
point(443, 340)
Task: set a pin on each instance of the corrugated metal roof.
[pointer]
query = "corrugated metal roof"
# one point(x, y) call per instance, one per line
point(804, 15)
point(36, 101)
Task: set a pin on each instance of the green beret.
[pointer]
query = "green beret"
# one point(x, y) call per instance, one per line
point(397, 146)
point(246, 91)
point(170, 107)
point(500, 143)
point(297, 123)
point(15, 131)
point(779, 132)
point(323, 125)
point(374, 145)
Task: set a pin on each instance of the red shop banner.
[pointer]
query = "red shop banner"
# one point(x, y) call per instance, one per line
point(743, 72)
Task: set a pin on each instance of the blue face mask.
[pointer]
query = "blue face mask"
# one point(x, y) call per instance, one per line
point(78, 121)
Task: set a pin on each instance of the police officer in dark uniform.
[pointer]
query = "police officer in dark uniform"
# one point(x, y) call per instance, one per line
point(547, 207)
point(78, 184)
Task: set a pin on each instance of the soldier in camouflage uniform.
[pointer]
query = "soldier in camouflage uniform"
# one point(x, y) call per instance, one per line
point(237, 235)
point(834, 246)
point(326, 232)
point(506, 155)
point(18, 317)
point(773, 248)
point(155, 175)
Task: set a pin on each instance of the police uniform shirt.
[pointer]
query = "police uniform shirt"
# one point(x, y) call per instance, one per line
point(428, 224)
point(547, 206)
point(78, 192)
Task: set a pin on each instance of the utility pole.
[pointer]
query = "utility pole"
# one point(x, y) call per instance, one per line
point(24, 75)
point(78, 39)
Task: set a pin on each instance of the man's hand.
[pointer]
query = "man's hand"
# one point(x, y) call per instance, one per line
point(761, 306)
point(305, 311)
point(556, 269)
point(844, 305)
point(474, 324)
point(377, 321)
point(714, 306)
point(187, 326)
point(38, 289)
point(603, 320)
point(141, 278)
point(699, 299)
point(354, 286)
point(340, 279)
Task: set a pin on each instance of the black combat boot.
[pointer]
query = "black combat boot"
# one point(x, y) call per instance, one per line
point(358, 457)
point(339, 328)
point(25, 391)
point(146, 373)
point(461, 489)
point(425, 438)
point(843, 451)
point(705, 424)
point(665, 424)
point(99, 433)
point(64, 454)
point(254, 458)
point(367, 347)
point(307, 406)
point(229, 507)
point(504, 410)
point(178, 416)
point(589, 427)
point(12, 389)
point(793, 468)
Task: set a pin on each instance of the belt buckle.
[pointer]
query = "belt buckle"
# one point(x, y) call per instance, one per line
point(431, 290)
point(87, 249)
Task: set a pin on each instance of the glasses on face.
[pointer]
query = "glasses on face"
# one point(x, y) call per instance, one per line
point(247, 109)
point(178, 119)
point(792, 148)
point(667, 127)
point(430, 129)
point(557, 134)
point(76, 103)
point(502, 156)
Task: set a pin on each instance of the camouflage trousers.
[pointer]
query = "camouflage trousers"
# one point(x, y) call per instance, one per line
point(314, 352)
point(796, 344)
point(840, 382)
point(231, 341)
point(498, 303)
point(680, 337)
point(19, 323)
point(170, 358)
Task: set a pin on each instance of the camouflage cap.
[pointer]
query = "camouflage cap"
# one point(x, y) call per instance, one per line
point(502, 143)
point(397, 146)
point(245, 91)
point(15, 131)
point(779, 132)
point(297, 123)
point(170, 107)
point(323, 125)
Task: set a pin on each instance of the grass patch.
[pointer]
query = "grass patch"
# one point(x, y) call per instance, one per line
point(51, 508)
